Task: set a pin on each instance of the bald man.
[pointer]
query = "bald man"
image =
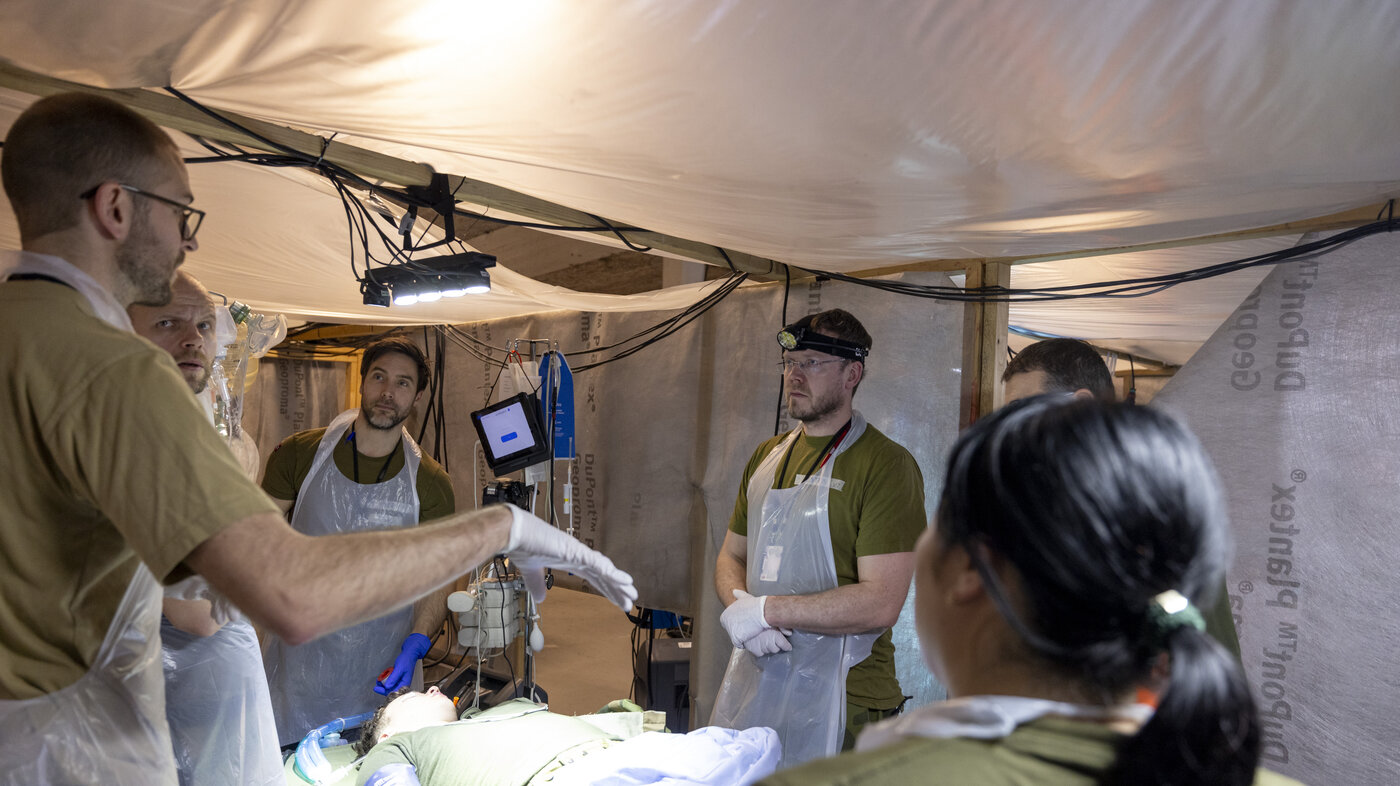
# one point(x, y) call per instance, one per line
point(216, 697)
point(184, 328)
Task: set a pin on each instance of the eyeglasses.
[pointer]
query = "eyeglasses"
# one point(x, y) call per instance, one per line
point(190, 217)
point(807, 367)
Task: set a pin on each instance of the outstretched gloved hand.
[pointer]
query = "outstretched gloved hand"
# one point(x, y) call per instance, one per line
point(414, 647)
point(768, 642)
point(536, 545)
point(744, 618)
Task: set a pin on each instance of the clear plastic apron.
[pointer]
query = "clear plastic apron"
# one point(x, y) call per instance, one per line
point(216, 696)
point(217, 703)
point(801, 694)
point(334, 675)
point(108, 727)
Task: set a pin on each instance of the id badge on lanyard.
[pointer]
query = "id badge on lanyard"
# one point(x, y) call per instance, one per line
point(772, 561)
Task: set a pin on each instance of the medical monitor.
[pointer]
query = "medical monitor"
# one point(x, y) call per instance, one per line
point(511, 434)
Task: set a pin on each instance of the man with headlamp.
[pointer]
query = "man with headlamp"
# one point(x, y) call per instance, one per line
point(816, 564)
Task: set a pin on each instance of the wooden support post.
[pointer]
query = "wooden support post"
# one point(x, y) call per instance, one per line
point(352, 381)
point(984, 344)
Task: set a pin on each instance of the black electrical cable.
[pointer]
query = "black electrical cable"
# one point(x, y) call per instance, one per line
point(360, 220)
point(292, 157)
point(471, 344)
point(782, 382)
point(674, 325)
point(451, 630)
point(638, 341)
point(1125, 288)
point(434, 412)
point(726, 286)
point(618, 232)
point(729, 261)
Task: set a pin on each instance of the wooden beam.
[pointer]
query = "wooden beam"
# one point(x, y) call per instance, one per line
point(984, 345)
point(170, 112)
point(342, 331)
point(352, 380)
point(320, 355)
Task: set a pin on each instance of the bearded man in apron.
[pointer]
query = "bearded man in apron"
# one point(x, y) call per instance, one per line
point(362, 472)
point(816, 564)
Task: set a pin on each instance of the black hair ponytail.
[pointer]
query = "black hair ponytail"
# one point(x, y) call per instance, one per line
point(1101, 509)
point(1205, 730)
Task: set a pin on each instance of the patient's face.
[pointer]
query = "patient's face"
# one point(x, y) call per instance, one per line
point(413, 711)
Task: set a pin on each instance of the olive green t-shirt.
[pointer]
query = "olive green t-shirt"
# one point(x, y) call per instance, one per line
point(108, 461)
point(1044, 752)
point(291, 461)
point(484, 751)
point(878, 509)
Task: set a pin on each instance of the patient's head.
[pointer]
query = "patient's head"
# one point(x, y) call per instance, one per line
point(406, 711)
point(1064, 526)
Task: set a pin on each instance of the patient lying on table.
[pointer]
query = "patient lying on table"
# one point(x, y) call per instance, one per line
point(416, 739)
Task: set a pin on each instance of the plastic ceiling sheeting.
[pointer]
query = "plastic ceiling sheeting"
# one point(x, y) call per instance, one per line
point(277, 239)
point(864, 135)
point(850, 136)
point(1166, 326)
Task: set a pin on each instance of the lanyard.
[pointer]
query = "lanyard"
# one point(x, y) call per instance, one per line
point(355, 460)
point(820, 460)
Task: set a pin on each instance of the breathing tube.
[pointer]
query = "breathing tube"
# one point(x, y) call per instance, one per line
point(309, 763)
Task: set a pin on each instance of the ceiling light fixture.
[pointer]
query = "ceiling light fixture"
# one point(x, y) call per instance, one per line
point(427, 280)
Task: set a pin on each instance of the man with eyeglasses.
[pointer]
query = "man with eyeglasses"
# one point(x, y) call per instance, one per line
point(816, 564)
point(113, 480)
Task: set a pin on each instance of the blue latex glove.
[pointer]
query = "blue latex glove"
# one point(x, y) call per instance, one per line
point(397, 774)
point(413, 649)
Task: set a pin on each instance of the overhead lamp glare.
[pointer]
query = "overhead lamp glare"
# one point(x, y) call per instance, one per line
point(428, 280)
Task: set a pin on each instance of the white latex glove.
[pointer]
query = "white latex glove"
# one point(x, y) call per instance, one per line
point(535, 545)
point(768, 642)
point(744, 618)
point(221, 608)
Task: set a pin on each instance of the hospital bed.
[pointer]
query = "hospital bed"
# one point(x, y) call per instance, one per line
point(706, 755)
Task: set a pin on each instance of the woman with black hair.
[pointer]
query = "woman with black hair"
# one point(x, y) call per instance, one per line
point(1073, 545)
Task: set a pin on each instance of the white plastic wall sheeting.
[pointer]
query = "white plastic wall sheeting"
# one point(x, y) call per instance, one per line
point(288, 396)
point(1295, 399)
point(663, 436)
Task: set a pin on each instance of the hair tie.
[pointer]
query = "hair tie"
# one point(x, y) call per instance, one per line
point(1169, 611)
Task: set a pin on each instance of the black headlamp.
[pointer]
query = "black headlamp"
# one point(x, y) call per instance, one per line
point(800, 335)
